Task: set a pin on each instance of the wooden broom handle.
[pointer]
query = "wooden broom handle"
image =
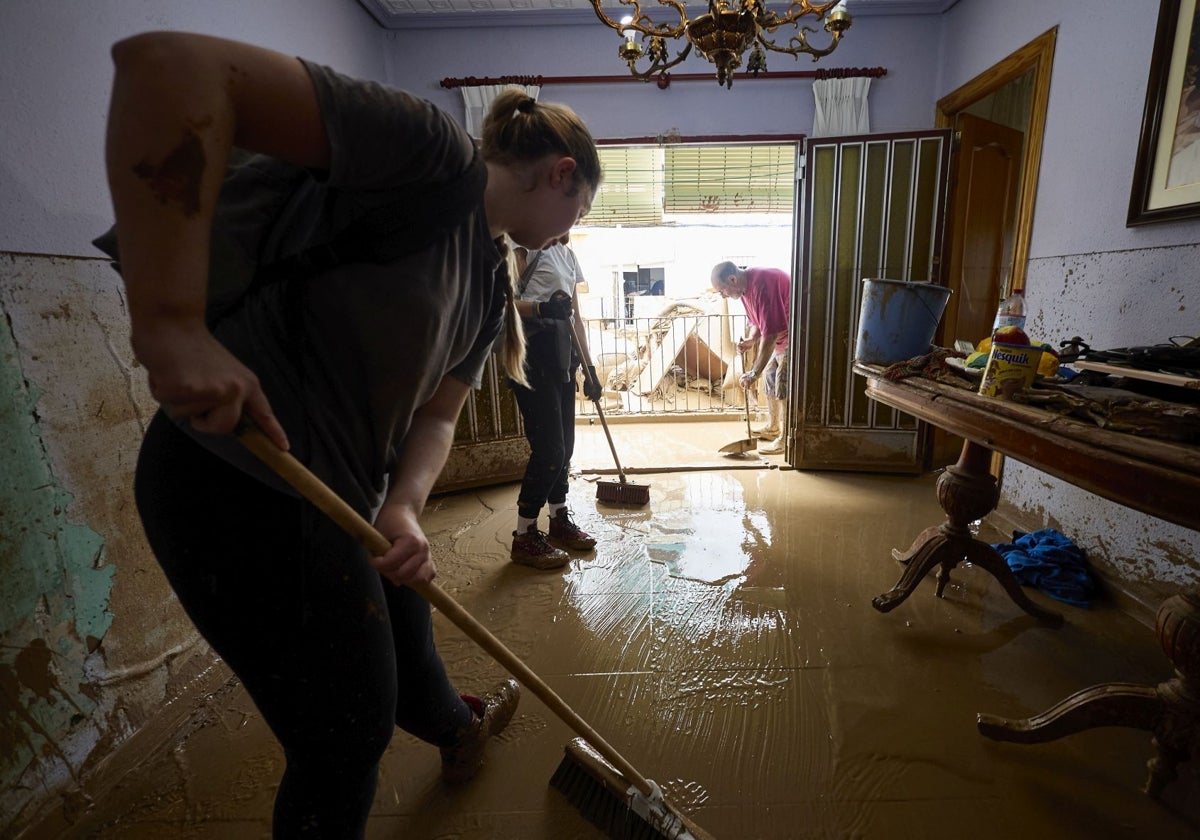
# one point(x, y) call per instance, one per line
point(312, 488)
point(600, 411)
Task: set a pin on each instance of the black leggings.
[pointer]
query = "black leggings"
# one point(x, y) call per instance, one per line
point(548, 411)
point(333, 655)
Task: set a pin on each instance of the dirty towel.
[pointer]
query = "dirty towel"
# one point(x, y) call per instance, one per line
point(1052, 563)
point(931, 365)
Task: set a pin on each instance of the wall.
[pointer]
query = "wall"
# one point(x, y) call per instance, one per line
point(93, 645)
point(418, 58)
point(1089, 275)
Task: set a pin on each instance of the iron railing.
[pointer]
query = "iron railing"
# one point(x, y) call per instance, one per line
point(667, 365)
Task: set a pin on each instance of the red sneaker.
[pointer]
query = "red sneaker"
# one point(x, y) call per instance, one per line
point(532, 549)
point(567, 534)
point(493, 711)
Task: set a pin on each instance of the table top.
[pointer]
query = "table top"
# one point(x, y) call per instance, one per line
point(1157, 477)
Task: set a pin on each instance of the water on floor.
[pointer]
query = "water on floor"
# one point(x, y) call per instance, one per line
point(722, 639)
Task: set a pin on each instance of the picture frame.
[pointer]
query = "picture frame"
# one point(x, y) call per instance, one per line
point(1166, 174)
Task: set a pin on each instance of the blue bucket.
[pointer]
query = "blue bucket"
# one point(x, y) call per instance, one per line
point(897, 319)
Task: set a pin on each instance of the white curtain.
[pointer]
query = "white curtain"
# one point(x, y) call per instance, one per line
point(841, 107)
point(478, 100)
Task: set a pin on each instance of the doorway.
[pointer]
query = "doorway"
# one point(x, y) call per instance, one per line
point(999, 119)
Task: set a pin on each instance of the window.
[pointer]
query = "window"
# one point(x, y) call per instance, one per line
point(650, 186)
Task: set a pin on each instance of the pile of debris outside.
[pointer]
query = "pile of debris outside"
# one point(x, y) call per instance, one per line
point(688, 346)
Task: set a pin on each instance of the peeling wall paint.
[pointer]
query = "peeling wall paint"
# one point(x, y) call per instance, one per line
point(94, 647)
point(1089, 274)
point(85, 614)
point(1114, 299)
point(55, 583)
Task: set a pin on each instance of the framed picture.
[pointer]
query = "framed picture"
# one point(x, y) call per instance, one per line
point(1166, 174)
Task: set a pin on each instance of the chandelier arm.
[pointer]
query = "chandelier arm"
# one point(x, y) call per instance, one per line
point(799, 44)
point(798, 9)
point(641, 21)
point(659, 67)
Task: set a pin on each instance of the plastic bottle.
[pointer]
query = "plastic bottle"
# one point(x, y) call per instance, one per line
point(1011, 312)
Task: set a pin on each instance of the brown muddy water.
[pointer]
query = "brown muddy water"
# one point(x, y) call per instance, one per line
point(723, 640)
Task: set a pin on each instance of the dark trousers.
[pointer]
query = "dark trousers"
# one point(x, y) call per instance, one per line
point(548, 411)
point(333, 655)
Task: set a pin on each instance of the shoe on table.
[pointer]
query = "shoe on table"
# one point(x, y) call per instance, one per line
point(493, 711)
point(565, 533)
point(774, 447)
point(533, 550)
point(766, 433)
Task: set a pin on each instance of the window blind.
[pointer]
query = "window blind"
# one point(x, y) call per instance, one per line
point(729, 179)
point(631, 193)
point(644, 184)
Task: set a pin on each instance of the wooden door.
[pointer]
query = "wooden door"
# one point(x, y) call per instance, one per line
point(987, 179)
point(873, 206)
point(986, 184)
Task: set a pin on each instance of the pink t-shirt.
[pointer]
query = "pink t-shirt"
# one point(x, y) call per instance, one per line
point(768, 302)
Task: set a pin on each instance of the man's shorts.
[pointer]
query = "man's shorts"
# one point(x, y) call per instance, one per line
point(775, 377)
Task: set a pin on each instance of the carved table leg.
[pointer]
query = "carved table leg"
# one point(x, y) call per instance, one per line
point(1171, 710)
point(967, 492)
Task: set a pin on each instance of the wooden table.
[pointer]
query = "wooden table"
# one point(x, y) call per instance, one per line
point(1160, 478)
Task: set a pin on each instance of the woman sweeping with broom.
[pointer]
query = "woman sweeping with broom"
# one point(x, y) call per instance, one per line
point(364, 351)
point(556, 347)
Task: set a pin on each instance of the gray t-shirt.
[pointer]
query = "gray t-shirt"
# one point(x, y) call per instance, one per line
point(347, 355)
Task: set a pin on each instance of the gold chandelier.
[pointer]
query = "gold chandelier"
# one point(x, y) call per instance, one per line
point(722, 34)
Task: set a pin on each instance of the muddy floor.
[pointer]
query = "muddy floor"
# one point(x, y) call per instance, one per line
point(723, 640)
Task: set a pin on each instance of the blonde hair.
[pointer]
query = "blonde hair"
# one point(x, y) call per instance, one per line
point(519, 130)
point(512, 351)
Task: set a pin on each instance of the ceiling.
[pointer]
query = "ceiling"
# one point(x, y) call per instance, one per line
point(407, 14)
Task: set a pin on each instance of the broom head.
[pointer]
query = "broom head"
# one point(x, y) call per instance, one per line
point(612, 804)
point(622, 493)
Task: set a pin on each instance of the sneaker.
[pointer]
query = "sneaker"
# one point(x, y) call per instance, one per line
point(493, 711)
point(532, 549)
point(774, 447)
point(567, 534)
point(766, 433)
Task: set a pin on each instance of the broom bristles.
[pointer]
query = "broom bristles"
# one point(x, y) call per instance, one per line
point(622, 493)
point(612, 804)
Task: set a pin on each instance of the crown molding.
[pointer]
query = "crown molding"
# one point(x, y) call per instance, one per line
point(465, 14)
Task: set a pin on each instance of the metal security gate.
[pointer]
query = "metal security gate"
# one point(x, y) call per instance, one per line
point(874, 206)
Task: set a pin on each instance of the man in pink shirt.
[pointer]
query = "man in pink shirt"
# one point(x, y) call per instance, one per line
point(766, 293)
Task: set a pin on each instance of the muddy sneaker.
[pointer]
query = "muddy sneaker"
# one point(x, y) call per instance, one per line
point(493, 711)
point(532, 549)
point(766, 433)
point(565, 533)
point(774, 447)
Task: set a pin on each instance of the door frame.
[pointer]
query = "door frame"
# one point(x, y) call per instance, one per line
point(1038, 56)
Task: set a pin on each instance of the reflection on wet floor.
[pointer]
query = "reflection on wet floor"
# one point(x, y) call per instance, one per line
point(722, 639)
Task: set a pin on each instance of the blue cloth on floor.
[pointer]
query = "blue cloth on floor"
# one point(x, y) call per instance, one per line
point(1051, 562)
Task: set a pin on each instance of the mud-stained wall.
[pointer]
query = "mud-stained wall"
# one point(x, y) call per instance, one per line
point(94, 642)
point(1088, 274)
point(93, 645)
point(1113, 299)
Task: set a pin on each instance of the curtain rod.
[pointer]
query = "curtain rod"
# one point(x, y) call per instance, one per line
point(665, 79)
